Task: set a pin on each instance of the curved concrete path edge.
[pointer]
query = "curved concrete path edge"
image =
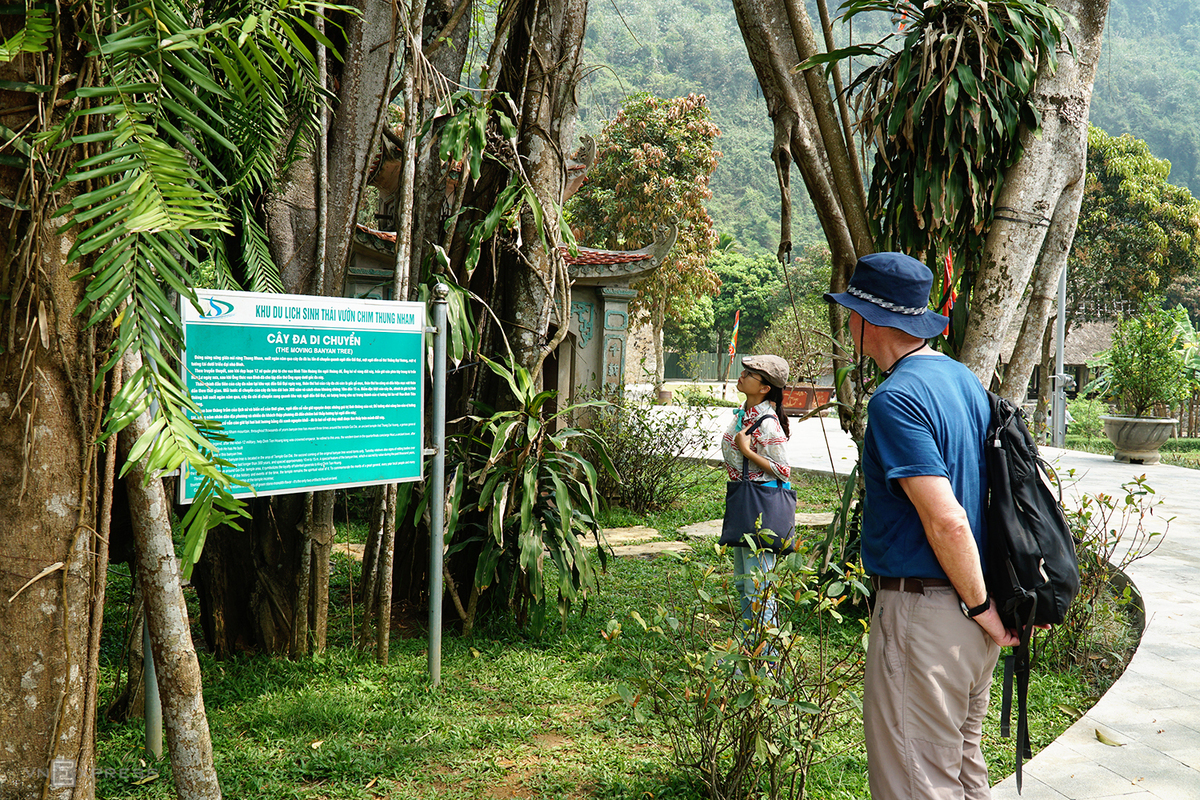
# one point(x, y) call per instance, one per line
point(1152, 712)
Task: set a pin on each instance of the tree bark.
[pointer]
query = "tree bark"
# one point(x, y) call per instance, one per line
point(387, 551)
point(247, 580)
point(778, 36)
point(1043, 290)
point(304, 581)
point(833, 140)
point(432, 175)
point(1053, 162)
point(322, 552)
point(768, 30)
point(100, 546)
point(176, 666)
point(369, 580)
point(540, 72)
point(46, 570)
point(49, 494)
point(402, 279)
point(368, 56)
point(1042, 410)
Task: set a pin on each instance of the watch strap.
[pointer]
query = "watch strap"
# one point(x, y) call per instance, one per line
point(972, 613)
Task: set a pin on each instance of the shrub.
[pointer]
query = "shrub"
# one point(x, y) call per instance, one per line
point(1145, 365)
point(1085, 417)
point(695, 397)
point(521, 498)
point(653, 450)
point(750, 724)
point(1111, 534)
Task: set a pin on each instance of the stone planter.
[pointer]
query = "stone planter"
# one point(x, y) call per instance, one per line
point(665, 396)
point(1137, 439)
point(802, 397)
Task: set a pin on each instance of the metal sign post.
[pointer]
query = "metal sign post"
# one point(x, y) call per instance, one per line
point(1058, 382)
point(437, 483)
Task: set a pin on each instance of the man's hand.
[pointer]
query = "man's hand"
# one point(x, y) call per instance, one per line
point(990, 622)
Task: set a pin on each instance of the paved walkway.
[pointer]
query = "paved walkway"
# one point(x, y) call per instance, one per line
point(1150, 718)
point(1152, 713)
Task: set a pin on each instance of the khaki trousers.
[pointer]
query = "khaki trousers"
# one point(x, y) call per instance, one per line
point(929, 670)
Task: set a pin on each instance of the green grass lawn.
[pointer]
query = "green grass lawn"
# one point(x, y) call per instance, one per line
point(513, 718)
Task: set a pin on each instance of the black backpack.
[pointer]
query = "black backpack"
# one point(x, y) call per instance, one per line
point(1032, 570)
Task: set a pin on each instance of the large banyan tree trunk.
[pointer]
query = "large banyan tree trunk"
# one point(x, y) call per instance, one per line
point(250, 582)
point(779, 35)
point(540, 72)
point(51, 558)
point(1037, 211)
point(48, 521)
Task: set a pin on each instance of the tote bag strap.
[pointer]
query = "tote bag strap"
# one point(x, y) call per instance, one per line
point(750, 430)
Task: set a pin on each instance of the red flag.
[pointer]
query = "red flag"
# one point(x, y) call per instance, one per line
point(949, 294)
point(737, 317)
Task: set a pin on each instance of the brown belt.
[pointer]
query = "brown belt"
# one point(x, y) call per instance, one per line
point(914, 585)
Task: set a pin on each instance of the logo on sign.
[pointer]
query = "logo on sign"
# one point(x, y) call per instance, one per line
point(217, 308)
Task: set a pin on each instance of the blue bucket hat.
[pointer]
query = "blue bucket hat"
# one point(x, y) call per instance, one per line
point(891, 290)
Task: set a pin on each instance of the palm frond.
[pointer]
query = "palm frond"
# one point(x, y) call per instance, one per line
point(30, 39)
point(261, 271)
point(182, 126)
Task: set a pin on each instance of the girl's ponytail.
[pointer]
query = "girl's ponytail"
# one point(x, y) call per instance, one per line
point(775, 396)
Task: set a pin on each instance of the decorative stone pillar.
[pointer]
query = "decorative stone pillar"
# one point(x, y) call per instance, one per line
point(616, 330)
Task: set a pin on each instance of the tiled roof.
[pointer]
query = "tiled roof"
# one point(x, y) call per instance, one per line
point(588, 255)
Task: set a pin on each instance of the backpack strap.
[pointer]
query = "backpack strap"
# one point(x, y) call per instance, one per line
point(1024, 751)
point(753, 427)
point(1017, 664)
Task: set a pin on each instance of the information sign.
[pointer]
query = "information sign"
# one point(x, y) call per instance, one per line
point(316, 392)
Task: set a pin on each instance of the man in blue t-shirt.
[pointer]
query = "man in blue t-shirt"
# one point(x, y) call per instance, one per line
point(935, 632)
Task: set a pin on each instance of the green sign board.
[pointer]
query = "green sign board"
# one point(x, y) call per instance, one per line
point(316, 392)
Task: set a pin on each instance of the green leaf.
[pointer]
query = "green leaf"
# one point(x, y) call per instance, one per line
point(951, 94)
point(33, 38)
point(24, 86)
point(478, 141)
point(14, 140)
point(8, 202)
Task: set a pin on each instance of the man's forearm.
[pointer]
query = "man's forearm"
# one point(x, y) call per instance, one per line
point(955, 548)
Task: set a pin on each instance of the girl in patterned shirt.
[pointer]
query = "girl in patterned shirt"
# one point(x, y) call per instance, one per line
point(762, 381)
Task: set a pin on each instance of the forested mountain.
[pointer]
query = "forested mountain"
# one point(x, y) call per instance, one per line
point(1148, 81)
point(673, 48)
point(1148, 84)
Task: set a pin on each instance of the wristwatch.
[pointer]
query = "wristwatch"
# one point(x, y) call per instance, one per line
point(972, 613)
